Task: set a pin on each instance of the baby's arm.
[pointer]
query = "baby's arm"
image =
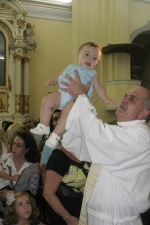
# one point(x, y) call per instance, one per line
point(101, 92)
point(53, 80)
point(8, 177)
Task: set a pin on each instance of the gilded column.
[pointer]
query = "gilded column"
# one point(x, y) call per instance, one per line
point(18, 83)
point(26, 84)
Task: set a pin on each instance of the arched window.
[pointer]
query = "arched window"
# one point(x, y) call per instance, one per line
point(2, 59)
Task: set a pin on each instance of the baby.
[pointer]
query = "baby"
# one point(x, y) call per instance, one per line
point(88, 57)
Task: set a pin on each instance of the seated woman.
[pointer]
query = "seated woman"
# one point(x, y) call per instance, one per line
point(8, 139)
point(12, 132)
point(23, 162)
point(63, 187)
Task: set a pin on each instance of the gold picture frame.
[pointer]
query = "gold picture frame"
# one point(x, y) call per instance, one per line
point(3, 101)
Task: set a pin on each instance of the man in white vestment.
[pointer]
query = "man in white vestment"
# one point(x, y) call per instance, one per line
point(123, 151)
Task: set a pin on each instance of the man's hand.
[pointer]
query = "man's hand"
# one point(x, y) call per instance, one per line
point(75, 87)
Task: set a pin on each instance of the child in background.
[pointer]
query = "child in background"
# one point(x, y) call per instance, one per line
point(21, 209)
point(88, 57)
point(6, 149)
point(4, 175)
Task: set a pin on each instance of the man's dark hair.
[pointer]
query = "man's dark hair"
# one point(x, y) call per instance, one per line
point(51, 121)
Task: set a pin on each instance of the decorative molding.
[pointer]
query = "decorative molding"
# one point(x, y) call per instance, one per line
point(21, 23)
point(17, 57)
point(49, 17)
point(49, 3)
point(26, 59)
point(9, 83)
point(18, 103)
point(11, 22)
point(7, 31)
point(5, 7)
point(26, 103)
point(45, 10)
point(27, 54)
point(146, 27)
point(3, 101)
point(28, 49)
point(145, 1)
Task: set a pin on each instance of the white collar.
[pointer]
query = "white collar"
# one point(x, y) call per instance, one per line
point(131, 123)
point(10, 162)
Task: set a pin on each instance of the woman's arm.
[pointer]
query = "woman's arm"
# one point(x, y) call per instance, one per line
point(8, 177)
point(52, 182)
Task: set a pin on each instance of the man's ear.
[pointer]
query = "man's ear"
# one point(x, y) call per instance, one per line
point(143, 114)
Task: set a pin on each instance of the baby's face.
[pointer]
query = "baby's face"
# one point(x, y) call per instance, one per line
point(88, 57)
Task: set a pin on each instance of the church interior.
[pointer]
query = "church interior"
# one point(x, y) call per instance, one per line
point(40, 38)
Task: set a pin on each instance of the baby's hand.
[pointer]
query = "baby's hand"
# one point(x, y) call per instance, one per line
point(108, 101)
point(15, 177)
point(49, 83)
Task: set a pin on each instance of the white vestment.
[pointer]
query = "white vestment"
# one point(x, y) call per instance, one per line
point(123, 151)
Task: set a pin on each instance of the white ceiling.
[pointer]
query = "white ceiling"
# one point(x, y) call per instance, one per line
point(49, 2)
point(49, 9)
point(58, 1)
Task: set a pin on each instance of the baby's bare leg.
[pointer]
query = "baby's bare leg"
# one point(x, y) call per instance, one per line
point(60, 127)
point(52, 141)
point(49, 102)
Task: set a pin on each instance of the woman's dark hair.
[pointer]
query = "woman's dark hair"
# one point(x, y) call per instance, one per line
point(33, 154)
point(6, 125)
point(5, 121)
point(51, 121)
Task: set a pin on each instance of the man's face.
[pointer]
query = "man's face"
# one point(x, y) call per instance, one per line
point(131, 105)
point(56, 117)
point(28, 123)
